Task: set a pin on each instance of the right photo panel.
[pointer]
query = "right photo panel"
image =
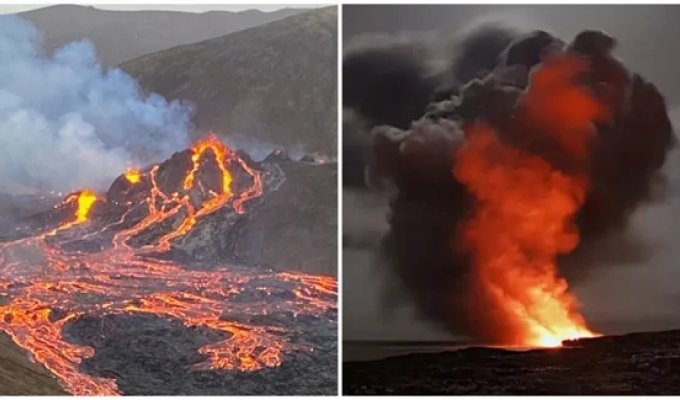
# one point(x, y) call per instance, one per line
point(511, 199)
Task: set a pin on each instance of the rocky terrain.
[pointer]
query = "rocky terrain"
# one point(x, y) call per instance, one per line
point(148, 355)
point(302, 237)
point(632, 364)
point(299, 201)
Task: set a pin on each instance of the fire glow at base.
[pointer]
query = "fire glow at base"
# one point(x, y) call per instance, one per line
point(58, 285)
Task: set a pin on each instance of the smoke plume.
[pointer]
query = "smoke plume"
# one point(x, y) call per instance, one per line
point(583, 137)
point(68, 123)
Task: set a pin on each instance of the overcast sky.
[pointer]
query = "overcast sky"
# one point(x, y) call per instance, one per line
point(14, 8)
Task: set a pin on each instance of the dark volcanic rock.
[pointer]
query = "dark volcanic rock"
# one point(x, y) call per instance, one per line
point(148, 355)
point(299, 200)
point(213, 236)
point(295, 227)
point(634, 364)
point(278, 155)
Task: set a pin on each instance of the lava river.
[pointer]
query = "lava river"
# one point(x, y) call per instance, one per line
point(46, 283)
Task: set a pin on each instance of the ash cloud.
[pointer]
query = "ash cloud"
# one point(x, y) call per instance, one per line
point(68, 123)
point(392, 80)
point(485, 83)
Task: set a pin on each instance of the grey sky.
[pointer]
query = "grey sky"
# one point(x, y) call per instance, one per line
point(15, 8)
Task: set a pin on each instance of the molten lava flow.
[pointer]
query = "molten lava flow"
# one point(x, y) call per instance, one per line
point(163, 206)
point(83, 202)
point(63, 285)
point(524, 212)
point(86, 199)
point(220, 152)
point(132, 175)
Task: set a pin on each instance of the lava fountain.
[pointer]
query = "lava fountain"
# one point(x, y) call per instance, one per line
point(523, 212)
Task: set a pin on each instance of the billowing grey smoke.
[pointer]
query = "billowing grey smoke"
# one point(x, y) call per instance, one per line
point(429, 203)
point(390, 81)
point(67, 123)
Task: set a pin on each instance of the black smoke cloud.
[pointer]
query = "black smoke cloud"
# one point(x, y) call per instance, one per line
point(386, 81)
point(483, 81)
point(390, 81)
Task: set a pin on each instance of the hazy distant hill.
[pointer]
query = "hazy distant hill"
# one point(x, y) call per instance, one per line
point(275, 82)
point(120, 36)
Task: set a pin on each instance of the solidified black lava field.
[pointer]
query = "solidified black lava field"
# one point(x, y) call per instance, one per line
point(633, 364)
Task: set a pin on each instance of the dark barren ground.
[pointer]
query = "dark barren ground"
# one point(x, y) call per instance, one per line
point(633, 364)
point(147, 355)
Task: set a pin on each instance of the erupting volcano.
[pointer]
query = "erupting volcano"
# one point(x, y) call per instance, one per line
point(97, 255)
point(529, 150)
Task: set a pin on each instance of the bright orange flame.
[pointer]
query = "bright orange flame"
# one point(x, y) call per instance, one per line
point(524, 210)
point(523, 219)
point(86, 199)
point(132, 175)
point(83, 201)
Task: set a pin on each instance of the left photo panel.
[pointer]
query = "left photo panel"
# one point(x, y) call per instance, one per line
point(168, 200)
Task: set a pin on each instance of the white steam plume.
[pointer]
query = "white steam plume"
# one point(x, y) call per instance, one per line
point(67, 123)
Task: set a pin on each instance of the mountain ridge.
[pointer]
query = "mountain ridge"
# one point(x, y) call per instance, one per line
point(120, 36)
point(275, 83)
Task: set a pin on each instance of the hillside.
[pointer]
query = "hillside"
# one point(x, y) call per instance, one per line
point(309, 200)
point(19, 376)
point(275, 83)
point(120, 36)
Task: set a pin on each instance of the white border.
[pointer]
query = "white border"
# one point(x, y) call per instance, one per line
point(339, 145)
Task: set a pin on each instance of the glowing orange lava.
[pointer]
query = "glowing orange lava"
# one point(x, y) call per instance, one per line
point(83, 202)
point(220, 151)
point(132, 175)
point(86, 199)
point(122, 279)
point(524, 211)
